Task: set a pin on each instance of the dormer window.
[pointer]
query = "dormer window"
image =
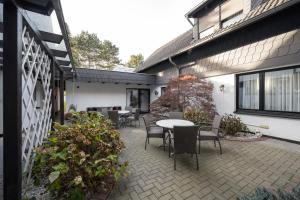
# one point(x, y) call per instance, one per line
point(206, 32)
point(231, 12)
point(231, 19)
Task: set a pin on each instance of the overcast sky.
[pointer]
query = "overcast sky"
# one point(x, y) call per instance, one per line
point(135, 26)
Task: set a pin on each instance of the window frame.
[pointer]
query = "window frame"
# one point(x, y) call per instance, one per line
point(162, 90)
point(205, 30)
point(239, 13)
point(261, 111)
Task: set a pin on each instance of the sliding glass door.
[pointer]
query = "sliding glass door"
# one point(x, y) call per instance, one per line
point(138, 98)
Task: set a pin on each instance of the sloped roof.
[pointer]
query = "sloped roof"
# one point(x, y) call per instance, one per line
point(105, 76)
point(268, 8)
point(168, 49)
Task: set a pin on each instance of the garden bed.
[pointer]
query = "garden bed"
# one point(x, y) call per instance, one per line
point(245, 137)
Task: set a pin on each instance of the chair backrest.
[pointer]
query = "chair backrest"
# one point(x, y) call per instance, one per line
point(147, 121)
point(129, 108)
point(113, 116)
point(185, 139)
point(137, 114)
point(176, 115)
point(216, 124)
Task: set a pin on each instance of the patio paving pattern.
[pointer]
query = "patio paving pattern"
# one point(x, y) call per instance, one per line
point(242, 167)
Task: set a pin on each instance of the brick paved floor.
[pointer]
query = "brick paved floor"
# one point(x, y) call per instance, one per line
point(241, 168)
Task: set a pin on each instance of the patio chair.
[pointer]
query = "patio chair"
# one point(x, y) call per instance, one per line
point(114, 117)
point(184, 140)
point(135, 117)
point(153, 131)
point(176, 115)
point(213, 134)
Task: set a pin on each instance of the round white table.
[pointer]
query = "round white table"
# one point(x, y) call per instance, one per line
point(170, 123)
point(122, 112)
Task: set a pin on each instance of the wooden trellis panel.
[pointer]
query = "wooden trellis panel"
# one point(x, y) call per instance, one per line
point(36, 97)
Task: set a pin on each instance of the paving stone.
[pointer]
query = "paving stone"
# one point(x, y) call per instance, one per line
point(239, 170)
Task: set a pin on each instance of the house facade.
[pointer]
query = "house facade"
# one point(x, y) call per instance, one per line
point(250, 51)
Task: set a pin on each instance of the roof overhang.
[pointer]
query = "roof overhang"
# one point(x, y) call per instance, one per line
point(198, 8)
point(44, 7)
point(115, 77)
point(256, 17)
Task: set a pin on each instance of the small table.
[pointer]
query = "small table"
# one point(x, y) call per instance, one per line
point(123, 112)
point(170, 123)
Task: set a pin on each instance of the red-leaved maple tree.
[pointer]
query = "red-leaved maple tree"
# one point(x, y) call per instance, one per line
point(186, 92)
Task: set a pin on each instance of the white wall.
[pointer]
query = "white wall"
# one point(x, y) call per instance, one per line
point(97, 94)
point(225, 103)
point(157, 88)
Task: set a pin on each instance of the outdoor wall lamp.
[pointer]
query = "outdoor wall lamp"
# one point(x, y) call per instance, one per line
point(222, 87)
point(156, 92)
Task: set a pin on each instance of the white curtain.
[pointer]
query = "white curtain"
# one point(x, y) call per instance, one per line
point(249, 91)
point(282, 90)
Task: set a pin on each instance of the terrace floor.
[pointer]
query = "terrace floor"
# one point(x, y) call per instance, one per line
point(242, 167)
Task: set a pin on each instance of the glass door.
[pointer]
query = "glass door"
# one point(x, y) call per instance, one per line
point(144, 100)
point(138, 98)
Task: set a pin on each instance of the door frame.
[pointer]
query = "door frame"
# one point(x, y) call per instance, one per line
point(139, 97)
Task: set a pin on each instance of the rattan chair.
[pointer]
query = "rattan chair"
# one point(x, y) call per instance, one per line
point(153, 131)
point(213, 134)
point(114, 117)
point(176, 115)
point(184, 140)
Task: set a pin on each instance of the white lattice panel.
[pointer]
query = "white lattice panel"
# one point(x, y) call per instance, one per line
point(36, 97)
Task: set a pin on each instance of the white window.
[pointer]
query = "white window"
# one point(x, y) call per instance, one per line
point(232, 19)
point(206, 32)
point(282, 90)
point(272, 91)
point(249, 91)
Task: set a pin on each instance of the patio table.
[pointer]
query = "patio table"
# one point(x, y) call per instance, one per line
point(123, 112)
point(170, 123)
point(123, 115)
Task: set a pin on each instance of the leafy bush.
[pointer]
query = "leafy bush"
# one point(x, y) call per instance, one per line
point(280, 194)
point(198, 117)
point(80, 159)
point(231, 124)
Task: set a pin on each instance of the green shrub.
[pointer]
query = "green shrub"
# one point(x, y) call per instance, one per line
point(280, 194)
point(197, 117)
point(80, 159)
point(231, 124)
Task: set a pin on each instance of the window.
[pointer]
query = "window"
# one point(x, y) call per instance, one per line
point(231, 20)
point(270, 92)
point(162, 91)
point(282, 90)
point(249, 91)
point(206, 32)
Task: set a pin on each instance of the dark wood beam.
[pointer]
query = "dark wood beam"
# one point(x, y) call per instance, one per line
point(51, 37)
point(12, 101)
point(36, 6)
point(61, 97)
point(59, 53)
point(63, 62)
